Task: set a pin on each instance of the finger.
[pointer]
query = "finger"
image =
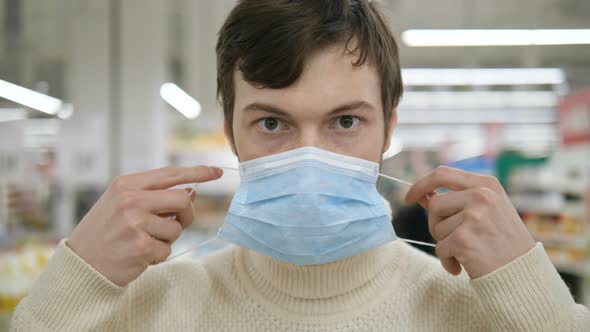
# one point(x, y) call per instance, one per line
point(167, 177)
point(161, 202)
point(425, 201)
point(160, 228)
point(172, 216)
point(444, 228)
point(450, 178)
point(185, 216)
point(445, 251)
point(447, 204)
point(191, 193)
point(451, 265)
point(161, 251)
point(442, 206)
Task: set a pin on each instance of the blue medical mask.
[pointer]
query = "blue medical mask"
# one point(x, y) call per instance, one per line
point(308, 206)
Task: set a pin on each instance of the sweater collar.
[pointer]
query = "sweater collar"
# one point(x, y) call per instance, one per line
point(326, 291)
point(319, 281)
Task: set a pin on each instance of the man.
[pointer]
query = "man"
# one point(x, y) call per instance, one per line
point(310, 73)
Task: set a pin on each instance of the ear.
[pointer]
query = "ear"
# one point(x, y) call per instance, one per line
point(392, 124)
point(227, 130)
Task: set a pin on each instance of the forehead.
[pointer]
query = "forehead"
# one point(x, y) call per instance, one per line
point(329, 79)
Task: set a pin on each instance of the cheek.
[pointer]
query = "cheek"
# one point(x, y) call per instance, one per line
point(251, 143)
point(365, 144)
point(267, 144)
point(243, 143)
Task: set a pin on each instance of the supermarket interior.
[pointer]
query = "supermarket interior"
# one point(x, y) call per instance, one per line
point(90, 90)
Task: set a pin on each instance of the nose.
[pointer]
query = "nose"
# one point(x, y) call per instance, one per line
point(310, 136)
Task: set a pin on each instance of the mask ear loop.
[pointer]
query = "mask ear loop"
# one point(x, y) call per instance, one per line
point(190, 193)
point(427, 244)
point(173, 217)
point(182, 253)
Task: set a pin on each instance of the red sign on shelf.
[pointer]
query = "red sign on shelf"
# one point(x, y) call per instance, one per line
point(574, 118)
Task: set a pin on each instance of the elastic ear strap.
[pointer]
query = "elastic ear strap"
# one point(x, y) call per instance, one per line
point(173, 217)
point(190, 193)
point(417, 242)
point(400, 181)
point(427, 197)
point(182, 253)
point(396, 179)
point(228, 168)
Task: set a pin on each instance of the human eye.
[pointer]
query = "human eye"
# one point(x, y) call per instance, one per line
point(346, 122)
point(270, 124)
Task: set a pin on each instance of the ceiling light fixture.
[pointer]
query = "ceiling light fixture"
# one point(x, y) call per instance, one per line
point(495, 37)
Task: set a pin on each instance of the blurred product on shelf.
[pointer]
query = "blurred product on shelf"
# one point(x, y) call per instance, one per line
point(25, 206)
point(19, 269)
point(552, 198)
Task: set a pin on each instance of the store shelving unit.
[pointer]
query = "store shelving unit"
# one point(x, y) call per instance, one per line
point(553, 201)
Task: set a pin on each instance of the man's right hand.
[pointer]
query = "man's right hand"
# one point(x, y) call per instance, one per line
point(126, 230)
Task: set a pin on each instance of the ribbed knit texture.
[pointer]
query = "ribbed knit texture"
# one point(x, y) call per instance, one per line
point(391, 288)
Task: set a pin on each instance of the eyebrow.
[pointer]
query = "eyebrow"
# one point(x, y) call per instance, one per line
point(351, 106)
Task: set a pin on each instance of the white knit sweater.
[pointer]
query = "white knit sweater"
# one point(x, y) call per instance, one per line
point(391, 288)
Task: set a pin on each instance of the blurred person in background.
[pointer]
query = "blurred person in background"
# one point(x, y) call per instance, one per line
point(24, 205)
point(33, 206)
point(293, 74)
point(411, 222)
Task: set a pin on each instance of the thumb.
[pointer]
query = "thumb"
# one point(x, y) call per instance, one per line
point(451, 265)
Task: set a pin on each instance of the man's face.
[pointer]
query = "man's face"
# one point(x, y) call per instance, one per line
point(333, 105)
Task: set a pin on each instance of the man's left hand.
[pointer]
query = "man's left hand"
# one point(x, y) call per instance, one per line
point(475, 225)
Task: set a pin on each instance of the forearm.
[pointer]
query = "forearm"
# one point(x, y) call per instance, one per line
point(529, 295)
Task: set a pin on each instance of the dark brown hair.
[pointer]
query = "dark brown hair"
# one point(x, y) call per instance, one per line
point(269, 41)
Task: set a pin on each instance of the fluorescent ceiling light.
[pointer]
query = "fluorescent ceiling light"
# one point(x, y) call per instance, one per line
point(501, 37)
point(482, 76)
point(180, 100)
point(29, 98)
point(66, 111)
point(478, 99)
point(429, 135)
point(12, 114)
point(477, 116)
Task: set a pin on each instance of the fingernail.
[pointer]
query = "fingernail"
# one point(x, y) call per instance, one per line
point(215, 171)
